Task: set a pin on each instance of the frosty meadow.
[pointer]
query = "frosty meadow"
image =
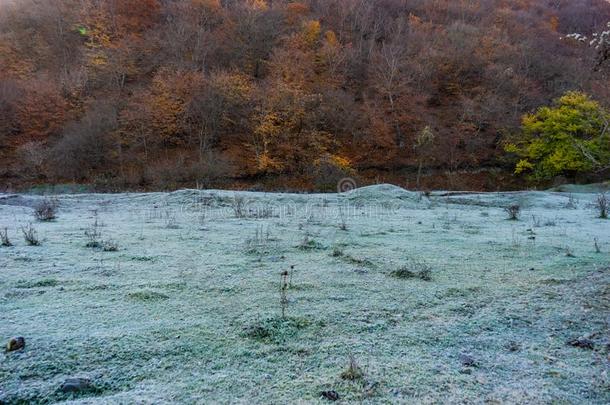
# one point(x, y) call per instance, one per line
point(378, 295)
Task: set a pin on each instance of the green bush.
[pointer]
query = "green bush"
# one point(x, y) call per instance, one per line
point(567, 138)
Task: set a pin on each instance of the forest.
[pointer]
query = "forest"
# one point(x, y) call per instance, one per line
point(295, 95)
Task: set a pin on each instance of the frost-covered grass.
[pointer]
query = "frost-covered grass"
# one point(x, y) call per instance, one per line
point(188, 308)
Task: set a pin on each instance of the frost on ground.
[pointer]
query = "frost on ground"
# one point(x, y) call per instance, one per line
point(390, 296)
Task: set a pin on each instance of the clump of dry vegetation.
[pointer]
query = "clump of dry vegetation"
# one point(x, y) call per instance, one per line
point(602, 204)
point(415, 269)
point(93, 235)
point(30, 235)
point(337, 251)
point(110, 245)
point(4, 239)
point(46, 210)
point(238, 204)
point(513, 212)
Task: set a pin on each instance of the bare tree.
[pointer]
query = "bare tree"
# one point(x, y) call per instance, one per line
point(388, 72)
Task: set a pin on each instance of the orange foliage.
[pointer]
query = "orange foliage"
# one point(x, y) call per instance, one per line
point(286, 86)
point(41, 112)
point(295, 12)
point(171, 91)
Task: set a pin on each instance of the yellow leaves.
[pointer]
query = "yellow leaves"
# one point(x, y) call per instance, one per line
point(283, 140)
point(260, 5)
point(528, 119)
point(331, 38)
point(511, 148)
point(578, 100)
point(97, 59)
point(340, 162)
point(268, 129)
point(424, 138)
point(170, 91)
point(311, 32)
point(96, 25)
point(523, 166)
point(269, 126)
point(266, 164)
point(235, 86)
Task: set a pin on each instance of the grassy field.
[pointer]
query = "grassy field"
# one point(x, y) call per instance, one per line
point(390, 296)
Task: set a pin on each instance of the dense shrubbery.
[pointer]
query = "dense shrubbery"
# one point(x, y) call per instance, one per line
point(105, 90)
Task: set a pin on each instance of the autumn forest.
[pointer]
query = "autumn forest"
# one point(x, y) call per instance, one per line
point(291, 95)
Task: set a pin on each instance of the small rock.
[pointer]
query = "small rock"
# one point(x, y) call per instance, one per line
point(582, 342)
point(15, 343)
point(467, 360)
point(513, 346)
point(76, 385)
point(466, 371)
point(330, 395)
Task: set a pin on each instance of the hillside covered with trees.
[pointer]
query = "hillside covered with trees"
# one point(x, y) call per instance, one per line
point(282, 94)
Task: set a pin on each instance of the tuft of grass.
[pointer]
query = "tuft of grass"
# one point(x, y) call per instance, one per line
point(45, 282)
point(337, 252)
point(110, 245)
point(275, 330)
point(353, 371)
point(454, 292)
point(513, 212)
point(147, 295)
point(46, 210)
point(415, 269)
point(358, 261)
point(142, 258)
